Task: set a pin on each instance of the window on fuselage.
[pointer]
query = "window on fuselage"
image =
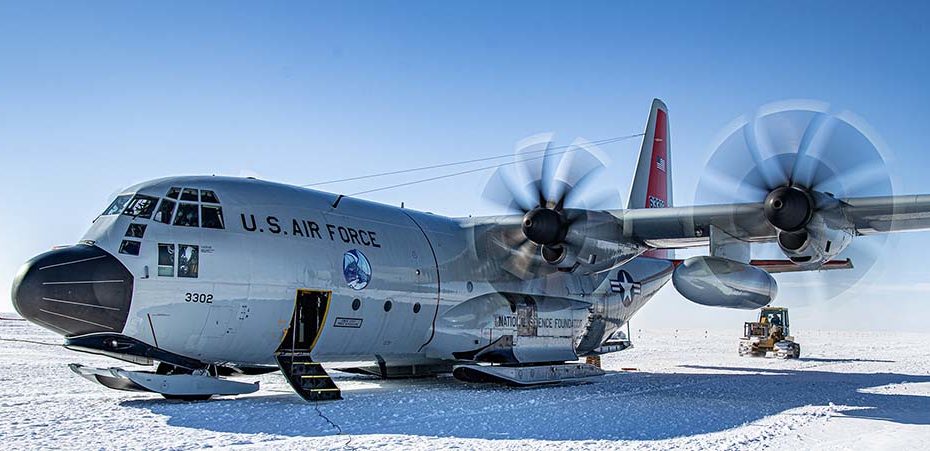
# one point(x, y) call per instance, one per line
point(141, 206)
point(117, 205)
point(188, 260)
point(165, 260)
point(173, 193)
point(187, 215)
point(165, 209)
point(211, 217)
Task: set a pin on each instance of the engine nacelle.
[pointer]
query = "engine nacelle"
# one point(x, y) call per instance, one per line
point(594, 243)
point(720, 282)
point(823, 239)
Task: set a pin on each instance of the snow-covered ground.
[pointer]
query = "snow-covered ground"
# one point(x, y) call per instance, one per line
point(675, 389)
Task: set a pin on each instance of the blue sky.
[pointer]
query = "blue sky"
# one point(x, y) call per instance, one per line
point(99, 95)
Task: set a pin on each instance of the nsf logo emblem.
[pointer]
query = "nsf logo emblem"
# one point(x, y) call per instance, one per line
point(356, 269)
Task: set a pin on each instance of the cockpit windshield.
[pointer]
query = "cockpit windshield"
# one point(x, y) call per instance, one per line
point(187, 215)
point(165, 210)
point(117, 205)
point(141, 206)
point(189, 194)
point(208, 196)
point(187, 207)
point(211, 217)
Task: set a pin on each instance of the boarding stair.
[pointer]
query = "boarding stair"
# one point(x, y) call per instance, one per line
point(308, 378)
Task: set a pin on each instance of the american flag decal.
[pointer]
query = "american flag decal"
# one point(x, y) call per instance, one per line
point(660, 164)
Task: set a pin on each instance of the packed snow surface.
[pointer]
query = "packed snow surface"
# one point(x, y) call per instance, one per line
point(675, 389)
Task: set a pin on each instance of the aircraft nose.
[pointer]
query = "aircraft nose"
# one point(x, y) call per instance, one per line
point(74, 290)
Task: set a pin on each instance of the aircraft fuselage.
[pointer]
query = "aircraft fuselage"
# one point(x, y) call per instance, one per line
point(217, 263)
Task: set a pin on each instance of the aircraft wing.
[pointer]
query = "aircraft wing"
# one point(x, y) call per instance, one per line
point(873, 215)
point(783, 266)
point(682, 227)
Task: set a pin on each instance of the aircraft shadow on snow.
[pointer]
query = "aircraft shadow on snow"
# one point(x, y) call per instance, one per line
point(632, 406)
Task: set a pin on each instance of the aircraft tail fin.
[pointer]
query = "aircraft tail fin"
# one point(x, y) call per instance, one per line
point(652, 181)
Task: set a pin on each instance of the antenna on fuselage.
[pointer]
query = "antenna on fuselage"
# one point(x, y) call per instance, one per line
point(338, 198)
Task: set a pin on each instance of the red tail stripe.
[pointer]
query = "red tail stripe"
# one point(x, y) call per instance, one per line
point(658, 169)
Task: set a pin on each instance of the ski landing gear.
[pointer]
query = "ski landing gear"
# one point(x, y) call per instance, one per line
point(169, 381)
point(526, 375)
point(306, 377)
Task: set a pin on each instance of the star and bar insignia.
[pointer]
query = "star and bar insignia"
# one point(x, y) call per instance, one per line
point(625, 287)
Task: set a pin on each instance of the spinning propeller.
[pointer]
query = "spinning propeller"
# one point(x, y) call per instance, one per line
point(800, 161)
point(552, 189)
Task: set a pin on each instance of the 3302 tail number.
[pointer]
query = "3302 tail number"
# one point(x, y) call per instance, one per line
point(203, 298)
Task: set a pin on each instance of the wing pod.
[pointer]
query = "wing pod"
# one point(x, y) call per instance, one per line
point(719, 282)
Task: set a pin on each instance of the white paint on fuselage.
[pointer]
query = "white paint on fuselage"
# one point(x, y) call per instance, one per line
point(253, 277)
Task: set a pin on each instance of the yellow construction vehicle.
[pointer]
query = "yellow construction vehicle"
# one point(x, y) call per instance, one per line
point(770, 336)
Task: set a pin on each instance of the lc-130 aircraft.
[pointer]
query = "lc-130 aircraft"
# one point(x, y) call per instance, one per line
point(216, 277)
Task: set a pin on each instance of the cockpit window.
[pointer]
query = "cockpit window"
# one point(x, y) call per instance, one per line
point(208, 196)
point(189, 194)
point(187, 215)
point(165, 209)
point(130, 247)
point(197, 208)
point(188, 260)
point(117, 205)
point(141, 206)
point(165, 260)
point(211, 216)
point(135, 230)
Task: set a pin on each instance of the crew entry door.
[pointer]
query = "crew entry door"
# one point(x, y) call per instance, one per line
point(307, 321)
point(308, 378)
